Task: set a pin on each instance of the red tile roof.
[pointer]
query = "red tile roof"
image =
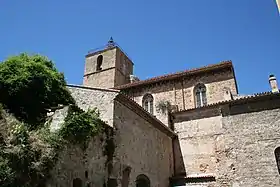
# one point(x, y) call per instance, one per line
point(221, 65)
point(244, 99)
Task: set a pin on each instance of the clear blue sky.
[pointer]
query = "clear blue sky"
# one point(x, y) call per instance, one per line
point(160, 36)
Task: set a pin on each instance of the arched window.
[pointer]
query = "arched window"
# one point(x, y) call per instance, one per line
point(77, 182)
point(99, 63)
point(200, 95)
point(148, 103)
point(142, 181)
point(277, 156)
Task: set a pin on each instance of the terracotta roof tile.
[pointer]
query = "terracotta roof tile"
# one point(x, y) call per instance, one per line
point(223, 64)
point(241, 99)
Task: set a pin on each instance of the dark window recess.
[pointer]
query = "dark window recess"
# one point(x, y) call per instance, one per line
point(277, 157)
point(77, 182)
point(142, 181)
point(99, 63)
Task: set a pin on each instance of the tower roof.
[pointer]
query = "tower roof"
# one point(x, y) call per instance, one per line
point(110, 45)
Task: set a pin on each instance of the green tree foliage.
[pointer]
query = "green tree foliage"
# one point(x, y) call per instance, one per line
point(79, 125)
point(29, 85)
point(26, 157)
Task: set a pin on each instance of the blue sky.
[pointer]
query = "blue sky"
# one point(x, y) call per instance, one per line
point(160, 36)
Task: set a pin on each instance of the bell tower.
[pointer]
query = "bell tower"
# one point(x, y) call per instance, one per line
point(107, 67)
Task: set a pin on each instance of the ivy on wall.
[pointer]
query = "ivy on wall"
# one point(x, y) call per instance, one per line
point(163, 106)
point(29, 86)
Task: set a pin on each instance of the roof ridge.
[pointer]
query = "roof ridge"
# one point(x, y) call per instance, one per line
point(245, 98)
point(175, 74)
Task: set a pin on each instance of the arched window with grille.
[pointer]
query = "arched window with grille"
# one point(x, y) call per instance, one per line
point(142, 181)
point(277, 157)
point(148, 103)
point(200, 95)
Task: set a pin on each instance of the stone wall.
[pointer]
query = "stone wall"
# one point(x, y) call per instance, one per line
point(198, 139)
point(116, 69)
point(104, 78)
point(142, 147)
point(109, 59)
point(234, 143)
point(124, 68)
point(181, 92)
point(74, 162)
point(102, 99)
point(248, 146)
point(87, 165)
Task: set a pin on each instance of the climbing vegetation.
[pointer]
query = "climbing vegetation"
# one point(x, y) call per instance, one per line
point(29, 86)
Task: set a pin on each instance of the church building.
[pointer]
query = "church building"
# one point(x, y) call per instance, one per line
point(189, 129)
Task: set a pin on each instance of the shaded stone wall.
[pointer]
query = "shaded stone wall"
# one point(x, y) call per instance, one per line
point(74, 162)
point(141, 147)
point(87, 165)
point(124, 68)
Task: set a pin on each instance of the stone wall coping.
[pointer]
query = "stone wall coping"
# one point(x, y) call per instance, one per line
point(146, 115)
point(243, 100)
point(203, 175)
point(99, 51)
point(172, 76)
point(93, 88)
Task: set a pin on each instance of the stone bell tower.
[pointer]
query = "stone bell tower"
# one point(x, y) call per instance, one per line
point(107, 67)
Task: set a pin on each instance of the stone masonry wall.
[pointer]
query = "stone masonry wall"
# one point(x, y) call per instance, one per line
point(101, 79)
point(109, 59)
point(124, 68)
point(139, 145)
point(181, 93)
point(104, 78)
point(102, 99)
point(142, 147)
point(74, 162)
point(236, 148)
point(198, 139)
point(246, 157)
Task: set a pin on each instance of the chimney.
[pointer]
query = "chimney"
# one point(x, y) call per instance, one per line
point(273, 84)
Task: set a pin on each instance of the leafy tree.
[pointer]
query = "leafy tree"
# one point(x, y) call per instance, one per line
point(30, 85)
